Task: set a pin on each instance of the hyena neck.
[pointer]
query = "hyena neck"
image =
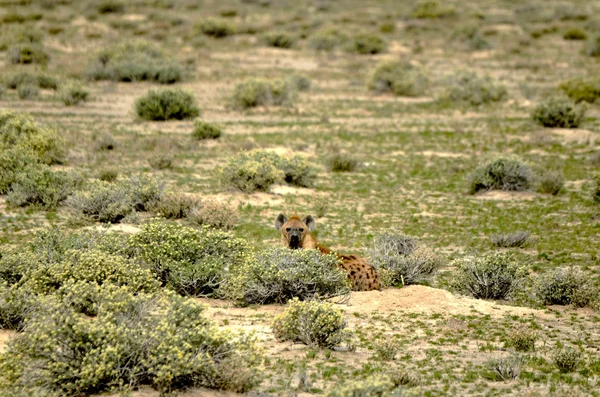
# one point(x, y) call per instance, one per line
point(309, 242)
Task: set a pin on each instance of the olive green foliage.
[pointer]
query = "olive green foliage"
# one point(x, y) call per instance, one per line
point(550, 182)
point(190, 261)
point(108, 175)
point(522, 339)
point(43, 187)
point(111, 202)
point(279, 39)
point(366, 43)
point(19, 34)
point(164, 341)
point(593, 46)
point(398, 77)
point(312, 323)
point(27, 53)
point(28, 92)
point(471, 89)
point(204, 130)
point(255, 92)
point(299, 82)
point(73, 93)
point(564, 286)
point(214, 214)
point(342, 162)
point(161, 160)
point(402, 260)
point(25, 144)
point(375, 386)
point(257, 170)
point(176, 205)
point(38, 79)
point(501, 173)
point(217, 28)
point(581, 90)
point(507, 240)
point(566, 359)
point(327, 39)
point(167, 104)
point(503, 368)
point(386, 349)
point(471, 37)
point(558, 112)
point(490, 276)
point(279, 274)
point(109, 6)
point(575, 34)
point(134, 61)
point(596, 188)
point(424, 9)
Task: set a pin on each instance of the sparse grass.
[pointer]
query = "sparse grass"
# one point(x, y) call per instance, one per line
point(27, 53)
point(505, 368)
point(167, 104)
point(558, 112)
point(593, 46)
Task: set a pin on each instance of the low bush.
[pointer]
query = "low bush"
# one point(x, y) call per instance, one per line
point(341, 162)
point(550, 182)
point(110, 6)
point(73, 93)
point(41, 80)
point(469, 88)
point(161, 160)
point(491, 276)
point(559, 113)
point(504, 368)
point(164, 341)
point(217, 28)
point(203, 130)
point(214, 214)
point(176, 205)
point(108, 175)
point(502, 173)
point(366, 43)
point(28, 91)
point(508, 240)
point(564, 286)
point(299, 82)
point(400, 78)
point(428, 9)
point(581, 90)
point(386, 349)
point(187, 260)
point(134, 61)
point(327, 39)
point(255, 92)
point(312, 323)
point(575, 34)
point(257, 170)
point(593, 46)
point(167, 104)
point(279, 39)
point(279, 274)
point(16, 304)
point(379, 386)
point(105, 142)
point(19, 34)
point(471, 37)
point(566, 359)
point(596, 188)
point(27, 53)
point(42, 187)
point(522, 339)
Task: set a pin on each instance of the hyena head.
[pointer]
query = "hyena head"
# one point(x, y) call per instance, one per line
point(294, 230)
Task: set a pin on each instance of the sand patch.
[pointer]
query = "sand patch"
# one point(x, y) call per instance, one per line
point(296, 191)
point(5, 336)
point(502, 195)
point(430, 153)
point(575, 135)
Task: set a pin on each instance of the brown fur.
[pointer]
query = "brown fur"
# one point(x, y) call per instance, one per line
point(295, 233)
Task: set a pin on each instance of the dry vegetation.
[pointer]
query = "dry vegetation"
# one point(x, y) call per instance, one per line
point(146, 146)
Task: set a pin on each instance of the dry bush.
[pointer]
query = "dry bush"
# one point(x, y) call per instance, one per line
point(558, 112)
point(502, 173)
point(214, 214)
point(507, 240)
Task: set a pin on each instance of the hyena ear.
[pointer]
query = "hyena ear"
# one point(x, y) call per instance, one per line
point(281, 219)
point(310, 222)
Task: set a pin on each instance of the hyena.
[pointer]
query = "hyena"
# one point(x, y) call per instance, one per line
point(296, 233)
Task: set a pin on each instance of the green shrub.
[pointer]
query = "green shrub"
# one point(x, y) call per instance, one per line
point(108, 175)
point(73, 93)
point(167, 104)
point(400, 78)
point(110, 6)
point(312, 323)
point(189, 261)
point(522, 339)
point(469, 88)
point(299, 82)
point(161, 160)
point(255, 92)
point(19, 34)
point(386, 349)
point(42, 187)
point(164, 341)
point(341, 162)
point(508, 240)
point(176, 205)
point(217, 28)
point(40, 80)
point(413, 268)
point(203, 130)
point(214, 214)
point(387, 27)
point(593, 46)
point(375, 386)
point(105, 142)
point(581, 90)
point(575, 34)
point(472, 37)
point(566, 359)
point(561, 286)
point(366, 43)
point(279, 274)
point(491, 276)
point(135, 61)
point(424, 9)
point(15, 306)
point(596, 188)
point(298, 172)
point(550, 182)
point(27, 91)
point(279, 39)
point(504, 368)
point(27, 53)
point(502, 173)
point(327, 39)
point(558, 112)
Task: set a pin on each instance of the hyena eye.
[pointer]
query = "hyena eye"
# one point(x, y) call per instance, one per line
point(301, 230)
point(287, 229)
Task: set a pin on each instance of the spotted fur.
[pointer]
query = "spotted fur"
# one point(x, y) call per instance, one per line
point(296, 234)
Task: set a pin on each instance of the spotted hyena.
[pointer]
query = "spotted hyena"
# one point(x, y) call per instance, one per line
point(296, 233)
